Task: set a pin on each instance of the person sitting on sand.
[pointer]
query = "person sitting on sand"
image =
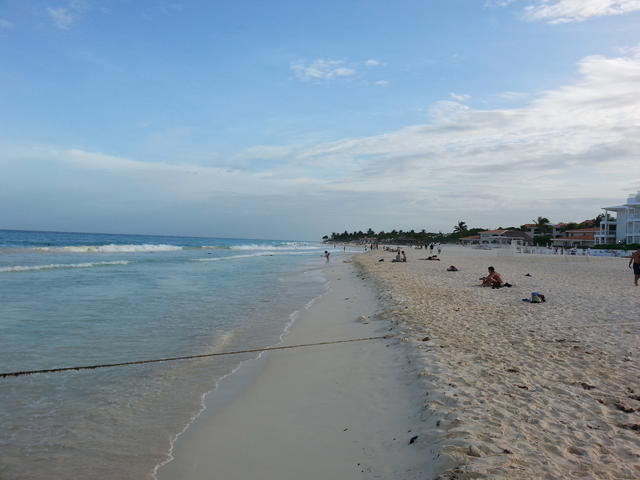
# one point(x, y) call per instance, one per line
point(634, 262)
point(398, 258)
point(493, 280)
point(404, 256)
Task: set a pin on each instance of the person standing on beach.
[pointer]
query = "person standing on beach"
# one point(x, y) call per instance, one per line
point(326, 255)
point(634, 262)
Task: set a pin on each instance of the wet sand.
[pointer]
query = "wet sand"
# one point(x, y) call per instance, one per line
point(346, 411)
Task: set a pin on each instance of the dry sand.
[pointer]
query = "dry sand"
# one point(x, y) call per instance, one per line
point(343, 411)
point(516, 390)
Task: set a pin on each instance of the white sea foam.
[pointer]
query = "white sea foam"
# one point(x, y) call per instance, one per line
point(270, 253)
point(282, 246)
point(53, 266)
point(113, 248)
point(232, 257)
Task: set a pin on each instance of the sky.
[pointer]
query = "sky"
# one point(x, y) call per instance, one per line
point(292, 119)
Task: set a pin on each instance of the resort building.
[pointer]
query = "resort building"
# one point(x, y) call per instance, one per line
point(534, 231)
point(470, 240)
point(503, 237)
point(625, 228)
point(580, 237)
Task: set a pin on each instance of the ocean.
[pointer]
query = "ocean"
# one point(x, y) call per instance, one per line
point(69, 299)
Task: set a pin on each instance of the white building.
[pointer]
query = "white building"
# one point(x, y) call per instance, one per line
point(554, 231)
point(503, 237)
point(579, 237)
point(625, 228)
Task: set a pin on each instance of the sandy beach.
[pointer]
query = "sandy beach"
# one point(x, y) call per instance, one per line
point(518, 390)
point(346, 411)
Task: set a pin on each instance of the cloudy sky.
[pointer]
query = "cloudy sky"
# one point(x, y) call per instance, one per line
point(296, 118)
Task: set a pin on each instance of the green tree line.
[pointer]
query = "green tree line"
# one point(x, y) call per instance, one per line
point(401, 236)
point(459, 231)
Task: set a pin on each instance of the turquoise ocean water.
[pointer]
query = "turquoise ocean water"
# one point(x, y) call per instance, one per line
point(71, 299)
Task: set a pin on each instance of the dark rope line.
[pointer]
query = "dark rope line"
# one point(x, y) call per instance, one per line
point(189, 357)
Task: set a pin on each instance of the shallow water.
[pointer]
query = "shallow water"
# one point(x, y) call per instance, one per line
point(79, 299)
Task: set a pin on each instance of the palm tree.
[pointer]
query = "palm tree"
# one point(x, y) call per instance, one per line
point(543, 224)
point(600, 218)
point(461, 227)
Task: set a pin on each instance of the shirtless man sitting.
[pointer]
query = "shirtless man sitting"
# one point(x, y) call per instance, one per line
point(634, 262)
point(493, 279)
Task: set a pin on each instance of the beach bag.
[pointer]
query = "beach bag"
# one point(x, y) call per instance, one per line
point(535, 298)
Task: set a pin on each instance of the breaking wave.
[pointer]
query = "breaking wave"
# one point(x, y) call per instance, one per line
point(54, 266)
point(281, 246)
point(231, 257)
point(113, 248)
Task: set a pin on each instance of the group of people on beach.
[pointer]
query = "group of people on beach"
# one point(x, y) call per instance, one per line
point(400, 256)
point(493, 279)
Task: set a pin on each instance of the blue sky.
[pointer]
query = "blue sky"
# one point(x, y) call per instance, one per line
point(292, 119)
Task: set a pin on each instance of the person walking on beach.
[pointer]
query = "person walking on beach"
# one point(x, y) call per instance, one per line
point(326, 255)
point(634, 262)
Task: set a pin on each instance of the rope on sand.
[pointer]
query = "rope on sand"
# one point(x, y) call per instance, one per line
point(188, 357)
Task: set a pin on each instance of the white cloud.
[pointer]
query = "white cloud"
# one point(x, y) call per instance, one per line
point(6, 24)
point(382, 83)
point(513, 96)
point(564, 11)
point(62, 17)
point(65, 17)
point(567, 143)
point(183, 181)
point(571, 149)
point(373, 63)
point(323, 70)
point(170, 7)
point(460, 97)
point(499, 3)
